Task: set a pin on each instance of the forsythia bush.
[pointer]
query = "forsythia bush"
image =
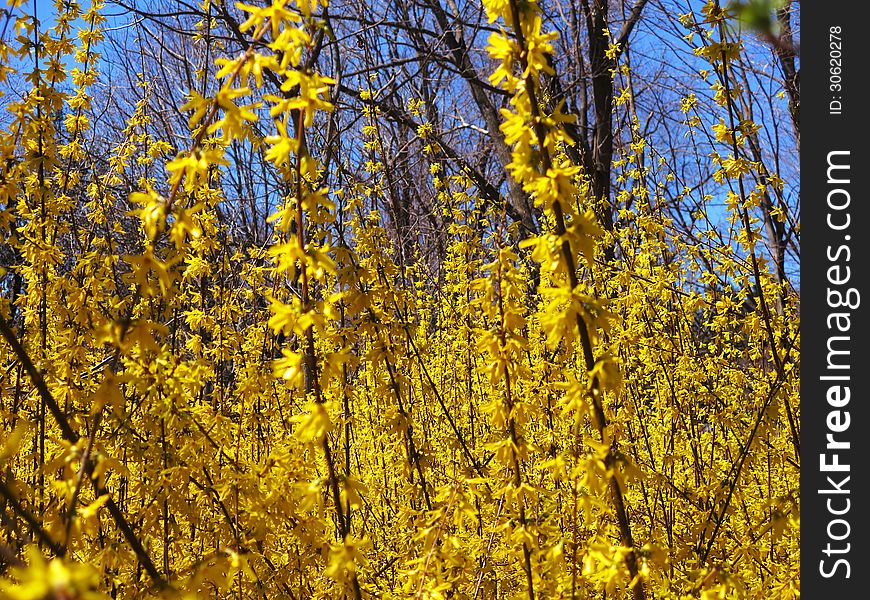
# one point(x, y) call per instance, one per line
point(587, 411)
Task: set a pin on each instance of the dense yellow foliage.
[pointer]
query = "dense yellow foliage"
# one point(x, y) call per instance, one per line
point(582, 411)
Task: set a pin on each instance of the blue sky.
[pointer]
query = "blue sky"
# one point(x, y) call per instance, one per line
point(649, 44)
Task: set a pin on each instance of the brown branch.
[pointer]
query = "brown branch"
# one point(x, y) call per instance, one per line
point(628, 27)
point(71, 436)
point(28, 518)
